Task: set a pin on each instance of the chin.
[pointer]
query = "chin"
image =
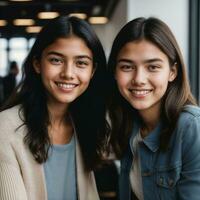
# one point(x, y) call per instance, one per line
point(139, 107)
point(64, 100)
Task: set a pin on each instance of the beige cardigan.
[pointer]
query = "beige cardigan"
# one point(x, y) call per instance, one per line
point(21, 177)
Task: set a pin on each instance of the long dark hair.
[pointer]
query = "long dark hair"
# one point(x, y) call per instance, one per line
point(178, 92)
point(87, 111)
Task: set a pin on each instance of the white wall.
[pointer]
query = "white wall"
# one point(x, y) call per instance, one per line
point(108, 32)
point(173, 12)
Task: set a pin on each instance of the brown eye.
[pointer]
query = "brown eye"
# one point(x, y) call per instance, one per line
point(82, 63)
point(153, 67)
point(56, 61)
point(126, 68)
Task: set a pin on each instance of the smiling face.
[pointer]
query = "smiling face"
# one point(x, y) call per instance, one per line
point(66, 68)
point(142, 74)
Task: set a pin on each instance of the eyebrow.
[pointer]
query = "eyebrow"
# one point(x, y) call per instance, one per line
point(145, 61)
point(124, 60)
point(84, 56)
point(60, 54)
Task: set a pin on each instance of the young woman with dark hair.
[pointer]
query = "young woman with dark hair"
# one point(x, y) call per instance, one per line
point(154, 118)
point(53, 131)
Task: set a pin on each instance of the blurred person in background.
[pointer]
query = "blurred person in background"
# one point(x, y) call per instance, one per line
point(9, 82)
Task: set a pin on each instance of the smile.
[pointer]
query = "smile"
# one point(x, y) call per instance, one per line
point(140, 93)
point(66, 85)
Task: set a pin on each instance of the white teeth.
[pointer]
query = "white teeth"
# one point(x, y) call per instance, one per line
point(66, 85)
point(140, 92)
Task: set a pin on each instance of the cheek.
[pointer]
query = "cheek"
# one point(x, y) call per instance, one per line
point(47, 73)
point(161, 83)
point(44, 69)
point(122, 80)
point(85, 77)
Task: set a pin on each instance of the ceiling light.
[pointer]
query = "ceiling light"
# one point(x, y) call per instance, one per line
point(47, 15)
point(23, 22)
point(98, 20)
point(79, 15)
point(3, 22)
point(33, 29)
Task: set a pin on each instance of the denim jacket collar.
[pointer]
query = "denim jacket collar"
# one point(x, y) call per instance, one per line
point(152, 140)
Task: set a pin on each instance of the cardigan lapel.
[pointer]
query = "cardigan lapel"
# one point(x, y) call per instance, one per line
point(40, 182)
point(86, 185)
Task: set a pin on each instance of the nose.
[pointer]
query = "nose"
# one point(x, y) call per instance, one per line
point(67, 71)
point(139, 77)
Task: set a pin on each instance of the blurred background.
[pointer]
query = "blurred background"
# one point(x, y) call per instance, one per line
point(21, 20)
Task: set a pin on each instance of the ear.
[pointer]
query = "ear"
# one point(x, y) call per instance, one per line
point(36, 65)
point(173, 72)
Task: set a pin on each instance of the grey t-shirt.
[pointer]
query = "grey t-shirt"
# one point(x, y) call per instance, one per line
point(60, 172)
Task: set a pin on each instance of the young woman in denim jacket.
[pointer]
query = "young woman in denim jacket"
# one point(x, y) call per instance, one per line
point(154, 118)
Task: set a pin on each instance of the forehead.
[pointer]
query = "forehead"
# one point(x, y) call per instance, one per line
point(69, 45)
point(142, 49)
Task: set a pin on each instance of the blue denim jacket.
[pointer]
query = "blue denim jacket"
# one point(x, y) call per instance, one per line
point(170, 175)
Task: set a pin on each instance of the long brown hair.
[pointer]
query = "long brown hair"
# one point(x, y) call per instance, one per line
point(178, 92)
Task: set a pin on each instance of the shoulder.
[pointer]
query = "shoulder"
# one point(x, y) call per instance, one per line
point(11, 115)
point(191, 110)
point(188, 128)
point(189, 115)
point(187, 137)
point(10, 120)
point(11, 135)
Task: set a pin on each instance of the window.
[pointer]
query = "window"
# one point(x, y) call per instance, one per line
point(3, 56)
point(15, 49)
point(18, 50)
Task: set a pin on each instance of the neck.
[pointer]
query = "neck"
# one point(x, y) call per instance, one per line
point(57, 113)
point(60, 128)
point(150, 121)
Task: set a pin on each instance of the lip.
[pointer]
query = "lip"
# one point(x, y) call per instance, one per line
point(140, 93)
point(66, 87)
